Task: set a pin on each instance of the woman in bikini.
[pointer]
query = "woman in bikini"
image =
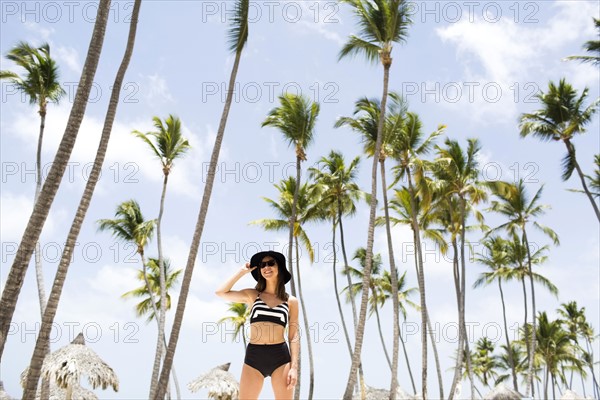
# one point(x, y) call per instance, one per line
point(272, 310)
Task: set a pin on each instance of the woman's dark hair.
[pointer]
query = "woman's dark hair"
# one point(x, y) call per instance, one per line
point(261, 285)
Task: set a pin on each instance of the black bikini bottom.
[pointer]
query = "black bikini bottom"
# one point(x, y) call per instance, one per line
point(266, 358)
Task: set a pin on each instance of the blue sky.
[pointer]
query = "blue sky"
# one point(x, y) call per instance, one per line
point(473, 66)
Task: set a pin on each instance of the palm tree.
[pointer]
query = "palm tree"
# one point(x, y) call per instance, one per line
point(37, 219)
point(238, 36)
point(403, 205)
point(572, 318)
point(339, 194)
point(514, 204)
point(554, 347)
point(496, 259)
point(41, 84)
point(563, 115)
point(591, 46)
point(484, 361)
point(457, 173)
point(241, 312)
point(375, 298)
point(408, 146)
point(366, 125)
point(145, 306)
point(43, 341)
point(307, 209)
point(517, 259)
point(170, 145)
point(296, 118)
point(384, 292)
point(518, 355)
point(338, 197)
point(382, 23)
point(587, 332)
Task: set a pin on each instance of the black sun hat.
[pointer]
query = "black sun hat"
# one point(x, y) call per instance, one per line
point(280, 258)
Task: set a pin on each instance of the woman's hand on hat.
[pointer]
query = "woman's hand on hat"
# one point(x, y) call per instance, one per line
point(246, 268)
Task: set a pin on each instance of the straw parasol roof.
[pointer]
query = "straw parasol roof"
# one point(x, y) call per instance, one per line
point(3, 394)
point(503, 392)
point(221, 383)
point(77, 393)
point(571, 395)
point(65, 366)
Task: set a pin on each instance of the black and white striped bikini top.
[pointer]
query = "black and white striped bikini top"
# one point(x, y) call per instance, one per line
point(261, 312)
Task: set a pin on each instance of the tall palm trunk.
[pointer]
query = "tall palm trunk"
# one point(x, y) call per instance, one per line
point(436, 357)
point(39, 273)
point(394, 281)
point(311, 386)
point(14, 281)
point(42, 343)
point(421, 283)
point(412, 380)
point(533, 317)
point(156, 313)
point(189, 268)
point(387, 356)
point(343, 243)
point(571, 150)
point(459, 356)
point(291, 246)
point(525, 308)
point(510, 355)
point(387, 62)
point(546, 379)
point(337, 292)
point(463, 293)
point(163, 291)
point(361, 376)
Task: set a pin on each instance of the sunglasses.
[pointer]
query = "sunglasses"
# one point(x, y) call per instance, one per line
point(269, 263)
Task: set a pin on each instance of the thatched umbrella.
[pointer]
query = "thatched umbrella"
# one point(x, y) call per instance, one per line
point(65, 366)
point(503, 392)
point(77, 393)
point(571, 395)
point(3, 394)
point(221, 383)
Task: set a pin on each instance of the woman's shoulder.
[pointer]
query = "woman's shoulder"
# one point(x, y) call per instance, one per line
point(292, 300)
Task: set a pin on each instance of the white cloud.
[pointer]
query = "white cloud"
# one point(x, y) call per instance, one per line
point(39, 30)
point(15, 211)
point(315, 18)
point(158, 92)
point(124, 151)
point(68, 56)
point(505, 58)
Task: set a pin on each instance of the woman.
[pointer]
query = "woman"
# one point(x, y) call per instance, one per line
point(272, 309)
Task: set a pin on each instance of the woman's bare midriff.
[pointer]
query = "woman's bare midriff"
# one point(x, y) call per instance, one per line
point(266, 333)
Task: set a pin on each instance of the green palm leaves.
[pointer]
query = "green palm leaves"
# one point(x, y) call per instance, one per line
point(145, 306)
point(295, 118)
point(129, 225)
point(563, 115)
point(167, 142)
point(240, 313)
point(41, 83)
point(381, 23)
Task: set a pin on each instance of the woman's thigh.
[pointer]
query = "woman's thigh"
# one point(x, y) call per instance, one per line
point(279, 383)
point(251, 383)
